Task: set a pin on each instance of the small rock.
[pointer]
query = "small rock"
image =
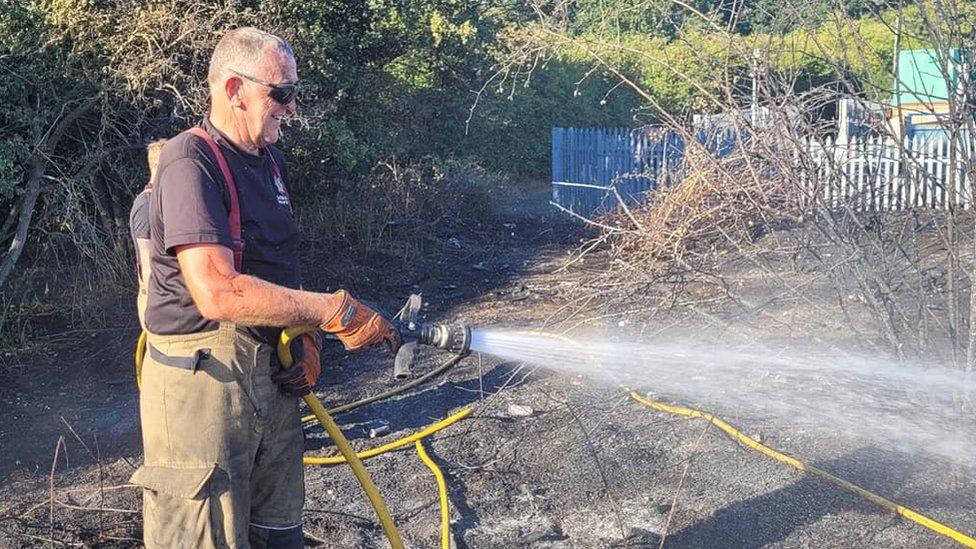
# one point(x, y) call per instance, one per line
point(532, 537)
point(479, 266)
point(638, 537)
point(552, 533)
point(520, 410)
point(661, 509)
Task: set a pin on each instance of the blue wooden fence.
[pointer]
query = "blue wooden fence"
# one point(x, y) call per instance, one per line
point(588, 163)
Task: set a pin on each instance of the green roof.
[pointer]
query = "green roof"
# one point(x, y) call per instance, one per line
point(920, 78)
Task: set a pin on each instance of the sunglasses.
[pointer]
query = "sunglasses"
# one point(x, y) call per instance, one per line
point(281, 93)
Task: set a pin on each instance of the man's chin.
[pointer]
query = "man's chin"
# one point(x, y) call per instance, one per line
point(270, 137)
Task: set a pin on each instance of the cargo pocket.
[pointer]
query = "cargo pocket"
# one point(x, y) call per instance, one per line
point(181, 505)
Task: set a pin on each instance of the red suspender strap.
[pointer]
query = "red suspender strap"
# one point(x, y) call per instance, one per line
point(235, 205)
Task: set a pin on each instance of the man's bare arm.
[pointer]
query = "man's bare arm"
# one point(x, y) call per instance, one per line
point(223, 294)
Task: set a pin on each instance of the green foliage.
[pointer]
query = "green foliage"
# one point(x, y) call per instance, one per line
point(382, 81)
point(407, 201)
point(512, 133)
point(659, 18)
point(385, 78)
point(390, 79)
point(692, 62)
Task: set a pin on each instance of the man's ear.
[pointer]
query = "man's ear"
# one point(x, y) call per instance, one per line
point(234, 87)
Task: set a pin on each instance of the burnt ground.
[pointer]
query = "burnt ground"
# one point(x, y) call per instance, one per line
point(588, 468)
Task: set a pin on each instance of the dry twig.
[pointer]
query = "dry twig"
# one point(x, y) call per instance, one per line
point(681, 482)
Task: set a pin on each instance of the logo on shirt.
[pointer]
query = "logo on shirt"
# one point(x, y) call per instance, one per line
point(282, 193)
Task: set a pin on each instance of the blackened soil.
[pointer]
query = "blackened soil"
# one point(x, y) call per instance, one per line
point(589, 467)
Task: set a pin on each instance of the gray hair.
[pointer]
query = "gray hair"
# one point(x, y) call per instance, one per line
point(242, 49)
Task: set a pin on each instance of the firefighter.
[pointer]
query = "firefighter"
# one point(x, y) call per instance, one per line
point(221, 426)
point(139, 228)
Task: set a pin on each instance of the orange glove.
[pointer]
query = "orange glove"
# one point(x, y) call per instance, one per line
point(358, 326)
point(304, 374)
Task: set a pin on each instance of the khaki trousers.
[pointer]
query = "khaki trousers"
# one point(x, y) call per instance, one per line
point(223, 446)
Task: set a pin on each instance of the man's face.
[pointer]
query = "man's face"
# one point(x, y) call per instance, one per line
point(258, 112)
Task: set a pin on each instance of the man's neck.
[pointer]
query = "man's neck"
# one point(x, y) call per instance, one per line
point(226, 125)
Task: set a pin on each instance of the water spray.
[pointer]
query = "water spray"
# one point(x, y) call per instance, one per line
point(890, 405)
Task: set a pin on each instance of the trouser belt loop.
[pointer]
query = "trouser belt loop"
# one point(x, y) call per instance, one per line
point(191, 363)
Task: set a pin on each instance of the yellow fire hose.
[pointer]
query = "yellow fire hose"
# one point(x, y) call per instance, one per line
point(415, 438)
point(348, 456)
point(441, 492)
point(819, 473)
point(399, 443)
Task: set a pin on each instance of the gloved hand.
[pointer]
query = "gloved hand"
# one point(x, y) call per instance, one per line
point(307, 365)
point(358, 326)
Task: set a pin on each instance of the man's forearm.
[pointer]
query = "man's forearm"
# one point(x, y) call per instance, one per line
point(251, 301)
point(221, 293)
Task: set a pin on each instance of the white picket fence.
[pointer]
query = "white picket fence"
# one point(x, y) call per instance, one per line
point(882, 174)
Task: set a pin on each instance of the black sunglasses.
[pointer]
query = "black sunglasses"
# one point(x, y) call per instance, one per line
point(281, 93)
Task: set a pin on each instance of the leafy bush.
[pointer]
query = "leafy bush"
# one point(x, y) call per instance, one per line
point(381, 80)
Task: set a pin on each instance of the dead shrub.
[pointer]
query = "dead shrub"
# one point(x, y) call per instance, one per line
point(720, 202)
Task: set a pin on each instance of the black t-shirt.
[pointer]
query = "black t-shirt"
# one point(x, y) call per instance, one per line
point(139, 216)
point(190, 205)
point(139, 224)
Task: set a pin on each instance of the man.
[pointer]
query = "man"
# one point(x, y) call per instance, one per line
point(223, 444)
point(139, 227)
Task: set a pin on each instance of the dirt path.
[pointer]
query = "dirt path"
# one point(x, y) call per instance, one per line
point(587, 468)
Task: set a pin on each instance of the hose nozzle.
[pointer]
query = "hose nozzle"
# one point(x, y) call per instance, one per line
point(450, 337)
point(454, 338)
